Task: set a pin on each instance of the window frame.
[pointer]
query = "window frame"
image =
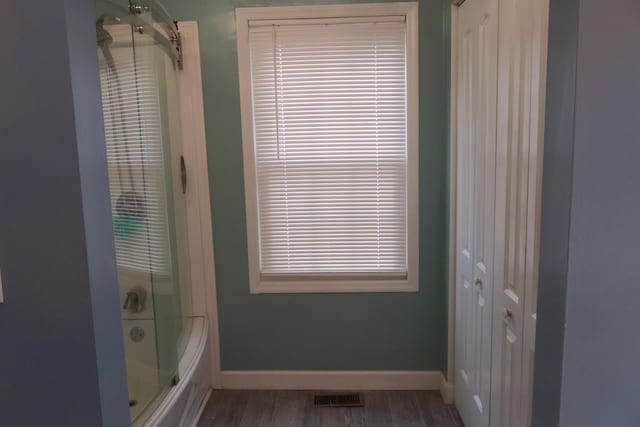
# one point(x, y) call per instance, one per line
point(338, 283)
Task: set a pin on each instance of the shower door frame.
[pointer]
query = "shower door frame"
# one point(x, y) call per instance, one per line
point(198, 199)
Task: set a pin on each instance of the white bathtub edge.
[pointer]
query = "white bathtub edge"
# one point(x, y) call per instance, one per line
point(184, 403)
point(203, 405)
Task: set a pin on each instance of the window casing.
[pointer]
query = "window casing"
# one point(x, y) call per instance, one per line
point(330, 136)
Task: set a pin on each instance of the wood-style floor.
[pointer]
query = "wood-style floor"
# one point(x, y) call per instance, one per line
point(231, 408)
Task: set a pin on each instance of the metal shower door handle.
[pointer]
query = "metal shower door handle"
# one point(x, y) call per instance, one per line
point(183, 174)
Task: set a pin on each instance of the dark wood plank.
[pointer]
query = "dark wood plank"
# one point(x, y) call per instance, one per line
point(259, 410)
point(338, 417)
point(433, 409)
point(434, 412)
point(437, 412)
point(289, 408)
point(405, 410)
point(207, 415)
point(232, 408)
point(455, 416)
point(377, 412)
point(229, 409)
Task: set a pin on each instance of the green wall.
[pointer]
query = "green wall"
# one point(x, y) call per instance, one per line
point(321, 331)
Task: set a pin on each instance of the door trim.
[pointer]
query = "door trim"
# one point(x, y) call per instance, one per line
point(198, 199)
point(453, 194)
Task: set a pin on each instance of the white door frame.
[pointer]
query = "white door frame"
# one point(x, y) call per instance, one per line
point(200, 229)
point(453, 194)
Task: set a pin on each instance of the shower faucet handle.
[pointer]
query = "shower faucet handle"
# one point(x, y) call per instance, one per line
point(134, 301)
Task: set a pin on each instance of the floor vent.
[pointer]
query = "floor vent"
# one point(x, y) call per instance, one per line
point(337, 400)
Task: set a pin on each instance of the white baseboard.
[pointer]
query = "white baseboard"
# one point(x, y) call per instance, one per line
point(332, 380)
point(446, 390)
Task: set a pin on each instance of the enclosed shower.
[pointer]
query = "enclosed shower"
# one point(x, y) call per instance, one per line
point(140, 54)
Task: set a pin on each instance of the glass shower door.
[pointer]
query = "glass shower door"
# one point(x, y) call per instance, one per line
point(172, 304)
point(142, 131)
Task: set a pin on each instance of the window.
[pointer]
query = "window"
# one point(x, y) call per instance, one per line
point(330, 136)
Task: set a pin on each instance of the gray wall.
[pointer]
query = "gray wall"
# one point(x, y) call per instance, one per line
point(556, 209)
point(61, 354)
point(322, 331)
point(588, 345)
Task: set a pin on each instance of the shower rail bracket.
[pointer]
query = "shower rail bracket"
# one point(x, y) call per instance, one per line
point(174, 41)
point(137, 9)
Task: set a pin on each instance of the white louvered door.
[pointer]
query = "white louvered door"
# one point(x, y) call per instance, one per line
point(501, 51)
point(521, 94)
point(477, 36)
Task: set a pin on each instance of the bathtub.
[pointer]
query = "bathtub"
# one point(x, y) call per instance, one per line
point(183, 404)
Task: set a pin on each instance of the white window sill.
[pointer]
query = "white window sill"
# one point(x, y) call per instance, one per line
point(333, 286)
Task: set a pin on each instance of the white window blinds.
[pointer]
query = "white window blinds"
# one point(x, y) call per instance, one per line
point(134, 140)
point(330, 144)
